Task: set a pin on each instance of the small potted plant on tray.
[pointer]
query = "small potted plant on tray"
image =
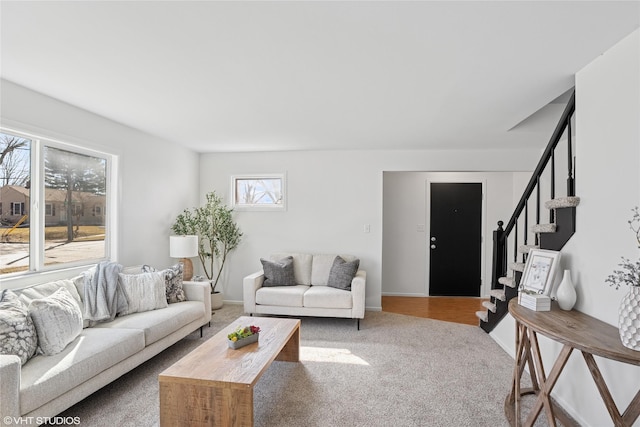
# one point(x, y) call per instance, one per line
point(243, 336)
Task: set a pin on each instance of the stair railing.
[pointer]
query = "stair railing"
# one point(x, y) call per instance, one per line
point(501, 235)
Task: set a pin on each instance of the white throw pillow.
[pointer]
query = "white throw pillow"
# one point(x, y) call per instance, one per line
point(144, 292)
point(58, 321)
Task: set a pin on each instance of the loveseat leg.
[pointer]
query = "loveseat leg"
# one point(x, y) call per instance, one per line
point(200, 331)
point(358, 323)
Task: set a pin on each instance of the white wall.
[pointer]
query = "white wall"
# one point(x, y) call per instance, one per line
point(405, 253)
point(331, 196)
point(608, 183)
point(158, 179)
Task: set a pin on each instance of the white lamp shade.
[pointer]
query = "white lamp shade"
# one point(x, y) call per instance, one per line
point(183, 246)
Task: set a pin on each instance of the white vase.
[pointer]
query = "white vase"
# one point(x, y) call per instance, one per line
point(629, 320)
point(217, 300)
point(566, 293)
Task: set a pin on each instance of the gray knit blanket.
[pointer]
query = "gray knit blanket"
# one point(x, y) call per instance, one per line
point(103, 295)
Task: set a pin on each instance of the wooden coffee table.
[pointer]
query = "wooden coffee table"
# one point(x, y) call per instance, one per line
point(213, 385)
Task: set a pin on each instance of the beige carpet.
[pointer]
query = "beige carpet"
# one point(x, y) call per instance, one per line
point(397, 370)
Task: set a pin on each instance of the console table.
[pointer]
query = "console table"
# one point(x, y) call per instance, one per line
point(574, 330)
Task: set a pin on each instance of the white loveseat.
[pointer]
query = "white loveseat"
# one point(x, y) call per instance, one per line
point(47, 385)
point(310, 296)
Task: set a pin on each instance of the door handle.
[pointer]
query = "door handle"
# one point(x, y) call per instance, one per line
point(433, 239)
point(433, 246)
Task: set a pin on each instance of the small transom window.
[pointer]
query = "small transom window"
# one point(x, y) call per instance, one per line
point(259, 192)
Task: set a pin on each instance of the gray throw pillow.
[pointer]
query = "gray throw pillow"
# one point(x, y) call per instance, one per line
point(278, 273)
point(172, 281)
point(342, 273)
point(17, 332)
point(58, 321)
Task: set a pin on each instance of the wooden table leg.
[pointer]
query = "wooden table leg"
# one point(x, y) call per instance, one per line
point(618, 419)
point(522, 358)
point(547, 386)
point(201, 405)
point(291, 350)
point(633, 410)
point(517, 372)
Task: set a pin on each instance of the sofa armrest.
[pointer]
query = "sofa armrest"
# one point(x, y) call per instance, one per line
point(9, 386)
point(358, 291)
point(199, 291)
point(250, 284)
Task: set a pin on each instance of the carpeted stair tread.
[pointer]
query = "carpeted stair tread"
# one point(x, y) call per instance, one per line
point(562, 202)
point(516, 266)
point(524, 249)
point(489, 306)
point(507, 281)
point(498, 294)
point(543, 228)
point(483, 315)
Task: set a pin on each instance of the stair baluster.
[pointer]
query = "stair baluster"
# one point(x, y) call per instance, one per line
point(571, 185)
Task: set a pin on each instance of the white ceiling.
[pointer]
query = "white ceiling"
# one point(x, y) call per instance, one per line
point(298, 75)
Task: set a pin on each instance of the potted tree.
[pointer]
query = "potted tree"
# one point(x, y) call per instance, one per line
point(218, 235)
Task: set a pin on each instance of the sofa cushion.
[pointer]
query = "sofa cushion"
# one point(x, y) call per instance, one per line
point(17, 332)
point(321, 267)
point(58, 321)
point(144, 292)
point(342, 273)
point(327, 297)
point(278, 273)
point(45, 377)
point(288, 296)
point(301, 266)
point(157, 324)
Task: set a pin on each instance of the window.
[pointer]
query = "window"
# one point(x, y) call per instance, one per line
point(68, 181)
point(17, 209)
point(259, 192)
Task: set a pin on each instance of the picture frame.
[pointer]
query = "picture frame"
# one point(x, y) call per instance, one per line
point(539, 271)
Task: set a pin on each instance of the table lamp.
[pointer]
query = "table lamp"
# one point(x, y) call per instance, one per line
point(184, 247)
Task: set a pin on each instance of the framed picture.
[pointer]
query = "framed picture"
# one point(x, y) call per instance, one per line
point(539, 271)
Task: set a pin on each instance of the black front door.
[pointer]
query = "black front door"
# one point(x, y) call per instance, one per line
point(455, 239)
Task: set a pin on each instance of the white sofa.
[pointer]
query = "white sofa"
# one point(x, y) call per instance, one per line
point(47, 385)
point(310, 296)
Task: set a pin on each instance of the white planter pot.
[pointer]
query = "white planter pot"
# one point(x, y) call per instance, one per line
point(629, 320)
point(217, 300)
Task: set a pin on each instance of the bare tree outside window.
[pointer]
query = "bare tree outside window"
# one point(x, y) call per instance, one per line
point(15, 194)
point(14, 160)
point(82, 180)
point(259, 191)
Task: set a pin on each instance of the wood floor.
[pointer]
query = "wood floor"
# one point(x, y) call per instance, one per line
point(450, 309)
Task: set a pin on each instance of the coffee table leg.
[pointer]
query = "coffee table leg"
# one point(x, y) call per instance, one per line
point(199, 405)
point(291, 350)
point(233, 407)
